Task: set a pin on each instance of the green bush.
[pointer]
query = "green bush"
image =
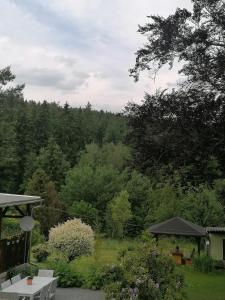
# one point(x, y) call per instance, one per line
point(113, 273)
point(203, 263)
point(142, 275)
point(24, 271)
point(94, 279)
point(11, 228)
point(41, 252)
point(122, 253)
point(37, 237)
point(67, 277)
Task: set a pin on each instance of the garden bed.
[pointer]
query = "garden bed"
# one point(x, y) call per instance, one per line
point(199, 286)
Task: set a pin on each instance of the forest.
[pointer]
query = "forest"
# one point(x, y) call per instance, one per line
point(122, 172)
point(92, 164)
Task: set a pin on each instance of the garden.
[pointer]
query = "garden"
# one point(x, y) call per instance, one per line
point(103, 266)
point(83, 258)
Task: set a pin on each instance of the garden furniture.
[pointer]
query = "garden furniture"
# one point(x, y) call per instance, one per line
point(16, 278)
point(5, 284)
point(38, 290)
point(43, 295)
point(8, 296)
point(52, 290)
point(45, 273)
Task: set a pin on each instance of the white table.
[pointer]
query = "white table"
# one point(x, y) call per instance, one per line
point(22, 289)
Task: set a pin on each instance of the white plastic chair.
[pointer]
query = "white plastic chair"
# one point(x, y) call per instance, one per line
point(5, 284)
point(45, 273)
point(52, 290)
point(43, 295)
point(11, 296)
point(6, 296)
point(16, 278)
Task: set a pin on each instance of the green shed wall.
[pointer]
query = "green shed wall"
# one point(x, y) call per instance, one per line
point(216, 245)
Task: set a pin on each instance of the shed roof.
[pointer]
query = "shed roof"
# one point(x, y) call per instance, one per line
point(215, 229)
point(178, 226)
point(7, 200)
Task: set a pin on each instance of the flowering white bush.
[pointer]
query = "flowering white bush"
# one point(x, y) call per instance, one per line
point(73, 238)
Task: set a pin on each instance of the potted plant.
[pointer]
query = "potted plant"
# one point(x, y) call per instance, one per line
point(29, 280)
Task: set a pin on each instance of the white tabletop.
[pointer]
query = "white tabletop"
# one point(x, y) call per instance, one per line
point(22, 288)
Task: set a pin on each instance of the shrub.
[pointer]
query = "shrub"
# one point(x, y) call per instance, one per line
point(203, 263)
point(122, 253)
point(113, 273)
point(142, 275)
point(11, 228)
point(41, 252)
point(94, 279)
point(118, 214)
point(37, 237)
point(24, 270)
point(67, 277)
point(73, 238)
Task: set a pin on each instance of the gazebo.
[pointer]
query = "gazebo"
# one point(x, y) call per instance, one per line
point(14, 251)
point(179, 227)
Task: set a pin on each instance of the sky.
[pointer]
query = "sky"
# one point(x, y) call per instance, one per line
point(77, 51)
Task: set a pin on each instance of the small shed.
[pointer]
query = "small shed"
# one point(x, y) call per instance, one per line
point(216, 242)
point(179, 227)
point(14, 251)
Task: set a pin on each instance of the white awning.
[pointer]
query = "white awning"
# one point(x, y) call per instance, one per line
point(7, 200)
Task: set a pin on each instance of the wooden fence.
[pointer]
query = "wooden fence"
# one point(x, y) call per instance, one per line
point(13, 252)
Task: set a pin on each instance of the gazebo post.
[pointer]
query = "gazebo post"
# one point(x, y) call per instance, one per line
point(0, 223)
point(28, 236)
point(156, 239)
point(199, 243)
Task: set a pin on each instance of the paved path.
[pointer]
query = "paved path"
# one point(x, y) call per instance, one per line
point(78, 294)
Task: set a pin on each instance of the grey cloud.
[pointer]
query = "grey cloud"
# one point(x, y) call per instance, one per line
point(52, 78)
point(66, 61)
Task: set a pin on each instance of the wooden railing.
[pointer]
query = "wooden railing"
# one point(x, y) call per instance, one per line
point(13, 252)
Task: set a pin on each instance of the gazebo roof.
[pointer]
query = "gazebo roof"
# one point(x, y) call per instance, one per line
point(7, 200)
point(178, 226)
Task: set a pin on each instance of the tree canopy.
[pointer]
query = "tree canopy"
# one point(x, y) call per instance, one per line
point(183, 127)
point(195, 38)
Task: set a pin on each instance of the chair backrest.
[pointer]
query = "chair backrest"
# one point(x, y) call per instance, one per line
point(5, 284)
point(44, 292)
point(45, 273)
point(16, 278)
point(7, 296)
point(53, 286)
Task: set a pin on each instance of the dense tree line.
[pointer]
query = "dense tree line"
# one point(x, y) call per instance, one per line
point(32, 134)
point(78, 174)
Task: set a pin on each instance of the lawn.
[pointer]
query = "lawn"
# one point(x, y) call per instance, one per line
point(202, 286)
point(199, 286)
point(106, 252)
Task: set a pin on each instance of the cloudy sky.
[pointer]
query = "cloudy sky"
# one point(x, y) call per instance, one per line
point(77, 51)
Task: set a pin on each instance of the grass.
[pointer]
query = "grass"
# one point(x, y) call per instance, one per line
point(106, 252)
point(199, 286)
